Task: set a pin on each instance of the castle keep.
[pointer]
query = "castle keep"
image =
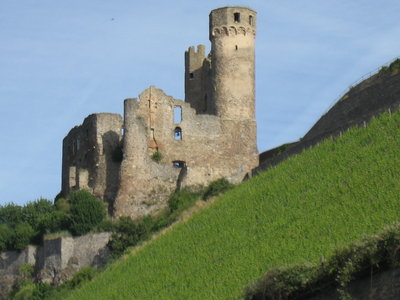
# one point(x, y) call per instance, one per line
point(161, 143)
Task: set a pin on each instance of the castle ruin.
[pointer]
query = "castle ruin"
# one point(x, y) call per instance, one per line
point(162, 144)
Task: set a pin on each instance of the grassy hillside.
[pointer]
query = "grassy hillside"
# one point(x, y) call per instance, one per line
point(298, 211)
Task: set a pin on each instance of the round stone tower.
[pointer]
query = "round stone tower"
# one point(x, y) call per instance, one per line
point(232, 36)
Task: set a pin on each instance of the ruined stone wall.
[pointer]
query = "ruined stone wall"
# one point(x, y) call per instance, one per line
point(56, 261)
point(145, 183)
point(381, 286)
point(377, 94)
point(215, 136)
point(10, 262)
point(198, 80)
point(197, 150)
point(90, 156)
point(371, 97)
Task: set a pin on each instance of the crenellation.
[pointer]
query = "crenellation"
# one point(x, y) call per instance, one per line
point(195, 77)
point(167, 143)
point(232, 20)
point(232, 31)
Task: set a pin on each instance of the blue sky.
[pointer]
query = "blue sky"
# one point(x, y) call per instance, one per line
point(63, 60)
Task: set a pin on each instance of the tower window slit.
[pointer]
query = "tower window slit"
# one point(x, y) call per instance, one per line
point(236, 17)
point(251, 20)
point(191, 75)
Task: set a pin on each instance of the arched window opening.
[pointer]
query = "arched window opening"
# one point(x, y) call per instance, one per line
point(178, 134)
point(236, 17)
point(178, 164)
point(177, 115)
point(251, 20)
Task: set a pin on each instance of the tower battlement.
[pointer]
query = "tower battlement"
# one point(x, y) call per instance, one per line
point(195, 77)
point(192, 53)
point(232, 20)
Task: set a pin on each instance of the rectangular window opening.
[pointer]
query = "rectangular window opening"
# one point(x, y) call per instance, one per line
point(177, 114)
point(251, 20)
point(191, 75)
point(236, 17)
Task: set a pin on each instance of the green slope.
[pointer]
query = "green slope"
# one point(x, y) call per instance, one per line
point(298, 211)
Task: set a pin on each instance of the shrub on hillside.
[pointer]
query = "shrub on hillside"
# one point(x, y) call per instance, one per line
point(84, 275)
point(107, 225)
point(53, 222)
point(164, 219)
point(129, 232)
point(26, 292)
point(182, 199)
point(33, 211)
point(62, 204)
point(11, 214)
point(395, 66)
point(23, 234)
point(6, 236)
point(39, 214)
point(217, 187)
point(375, 252)
point(87, 212)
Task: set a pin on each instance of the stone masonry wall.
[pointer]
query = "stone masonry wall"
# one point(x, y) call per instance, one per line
point(371, 97)
point(89, 156)
point(197, 80)
point(198, 155)
point(10, 261)
point(144, 183)
point(56, 261)
point(381, 286)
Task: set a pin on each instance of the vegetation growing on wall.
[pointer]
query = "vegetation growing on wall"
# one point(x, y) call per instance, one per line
point(298, 211)
point(394, 68)
point(365, 257)
point(80, 213)
point(26, 289)
point(86, 212)
point(217, 187)
point(21, 225)
point(128, 232)
point(157, 156)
